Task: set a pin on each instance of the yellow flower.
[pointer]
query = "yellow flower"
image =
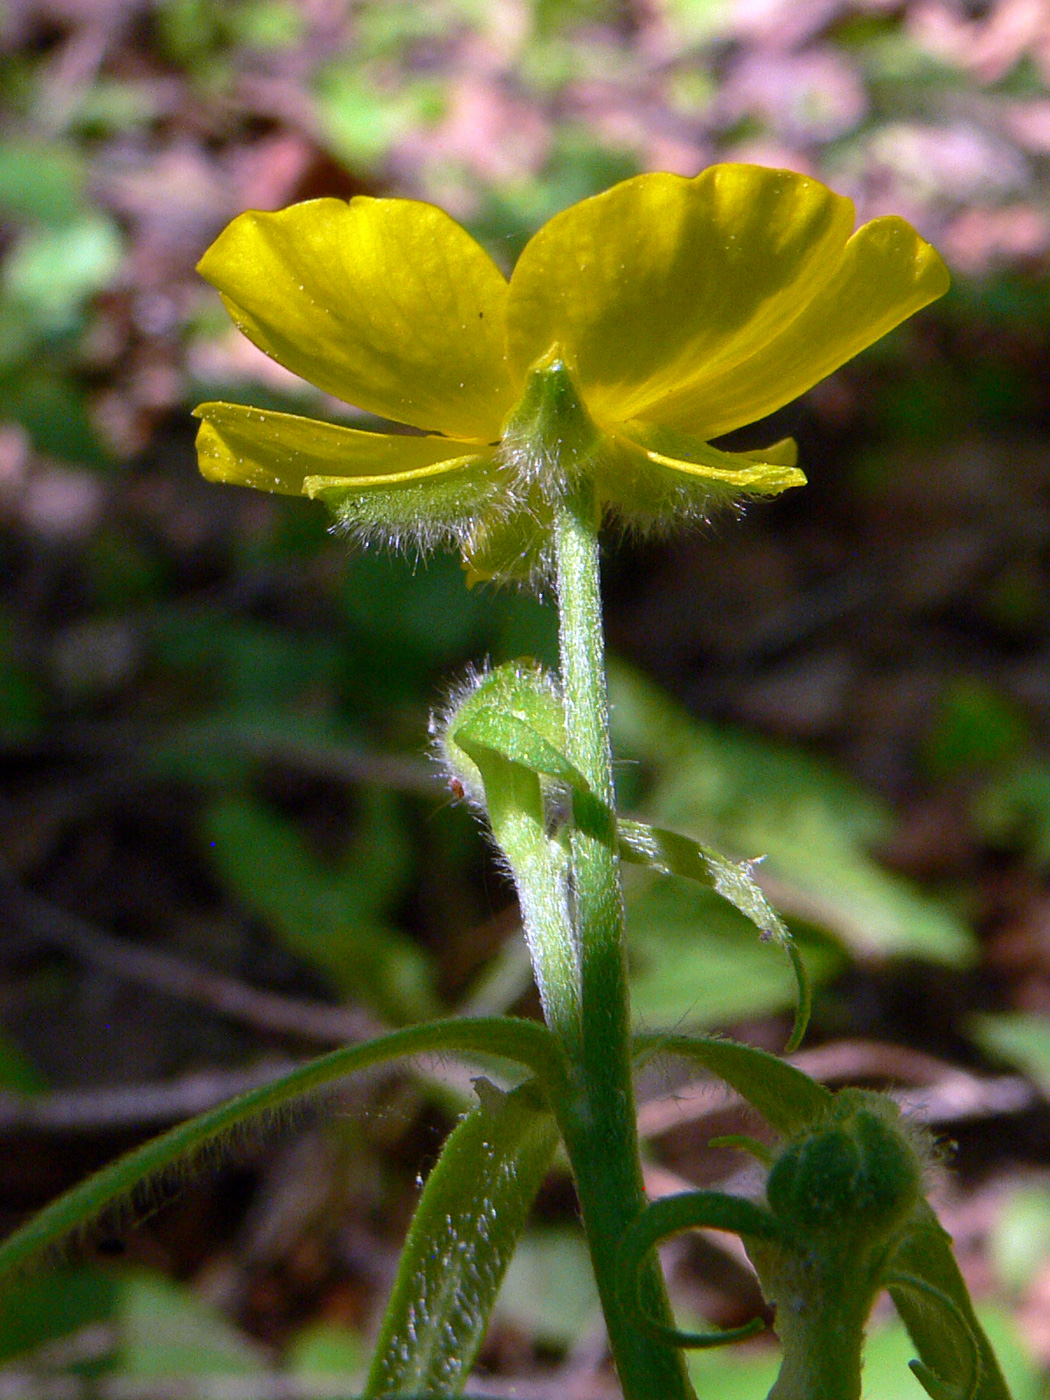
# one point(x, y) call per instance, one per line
point(637, 326)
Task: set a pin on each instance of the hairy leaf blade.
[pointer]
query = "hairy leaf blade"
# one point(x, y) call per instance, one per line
point(470, 1218)
point(504, 1037)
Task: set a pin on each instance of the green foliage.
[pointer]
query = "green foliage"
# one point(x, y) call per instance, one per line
point(695, 960)
point(1021, 1237)
point(330, 914)
point(845, 1220)
point(42, 184)
point(151, 1326)
point(54, 1305)
point(52, 271)
point(548, 1291)
point(18, 1073)
point(521, 1042)
point(1020, 1038)
point(814, 828)
point(1013, 810)
point(322, 1350)
point(975, 729)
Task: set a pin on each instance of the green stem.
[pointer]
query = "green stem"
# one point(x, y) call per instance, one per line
point(822, 1297)
point(598, 1123)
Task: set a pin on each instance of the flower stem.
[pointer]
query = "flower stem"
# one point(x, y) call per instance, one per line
point(598, 1124)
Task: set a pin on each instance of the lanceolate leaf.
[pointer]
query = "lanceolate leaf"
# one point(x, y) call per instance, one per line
point(926, 1254)
point(678, 855)
point(471, 1215)
point(672, 854)
point(503, 1037)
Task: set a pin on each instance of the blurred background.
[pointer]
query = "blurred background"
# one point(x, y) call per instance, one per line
point(222, 848)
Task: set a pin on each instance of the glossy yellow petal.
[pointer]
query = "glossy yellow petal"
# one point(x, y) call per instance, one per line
point(886, 274)
point(651, 476)
point(279, 451)
point(661, 275)
point(386, 303)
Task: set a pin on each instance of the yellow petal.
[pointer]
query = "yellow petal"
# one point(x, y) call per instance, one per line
point(386, 303)
point(279, 451)
point(886, 274)
point(662, 275)
point(651, 475)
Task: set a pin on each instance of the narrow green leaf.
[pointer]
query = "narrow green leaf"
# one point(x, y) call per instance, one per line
point(505, 1037)
point(786, 1098)
point(470, 1218)
point(742, 794)
point(672, 854)
point(926, 1253)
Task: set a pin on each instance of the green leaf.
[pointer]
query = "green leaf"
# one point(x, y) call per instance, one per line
point(326, 1349)
point(678, 855)
point(1019, 1038)
point(747, 796)
point(672, 854)
point(748, 1373)
point(786, 1098)
point(1014, 810)
point(54, 1305)
point(522, 1042)
point(41, 182)
point(464, 1231)
point(695, 961)
point(890, 1349)
point(51, 271)
point(549, 1291)
point(164, 1329)
point(328, 913)
point(1021, 1236)
point(518, 742)
point(926, 1254)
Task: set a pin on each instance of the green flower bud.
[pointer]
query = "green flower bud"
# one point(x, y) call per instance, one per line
point(858, 1168)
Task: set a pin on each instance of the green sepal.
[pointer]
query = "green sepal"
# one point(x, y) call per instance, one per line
point(551, 439)
point(502, 1037)
point(651, 476)
point(422, 509)
point(381, 487)
point(474, 1207)
point(925, 1253)
point(785, 1097)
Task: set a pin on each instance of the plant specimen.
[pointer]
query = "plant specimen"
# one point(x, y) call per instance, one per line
point(636, 327)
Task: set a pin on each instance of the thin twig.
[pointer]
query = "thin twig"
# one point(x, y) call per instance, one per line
point(134, 1105)
point(163, 972)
